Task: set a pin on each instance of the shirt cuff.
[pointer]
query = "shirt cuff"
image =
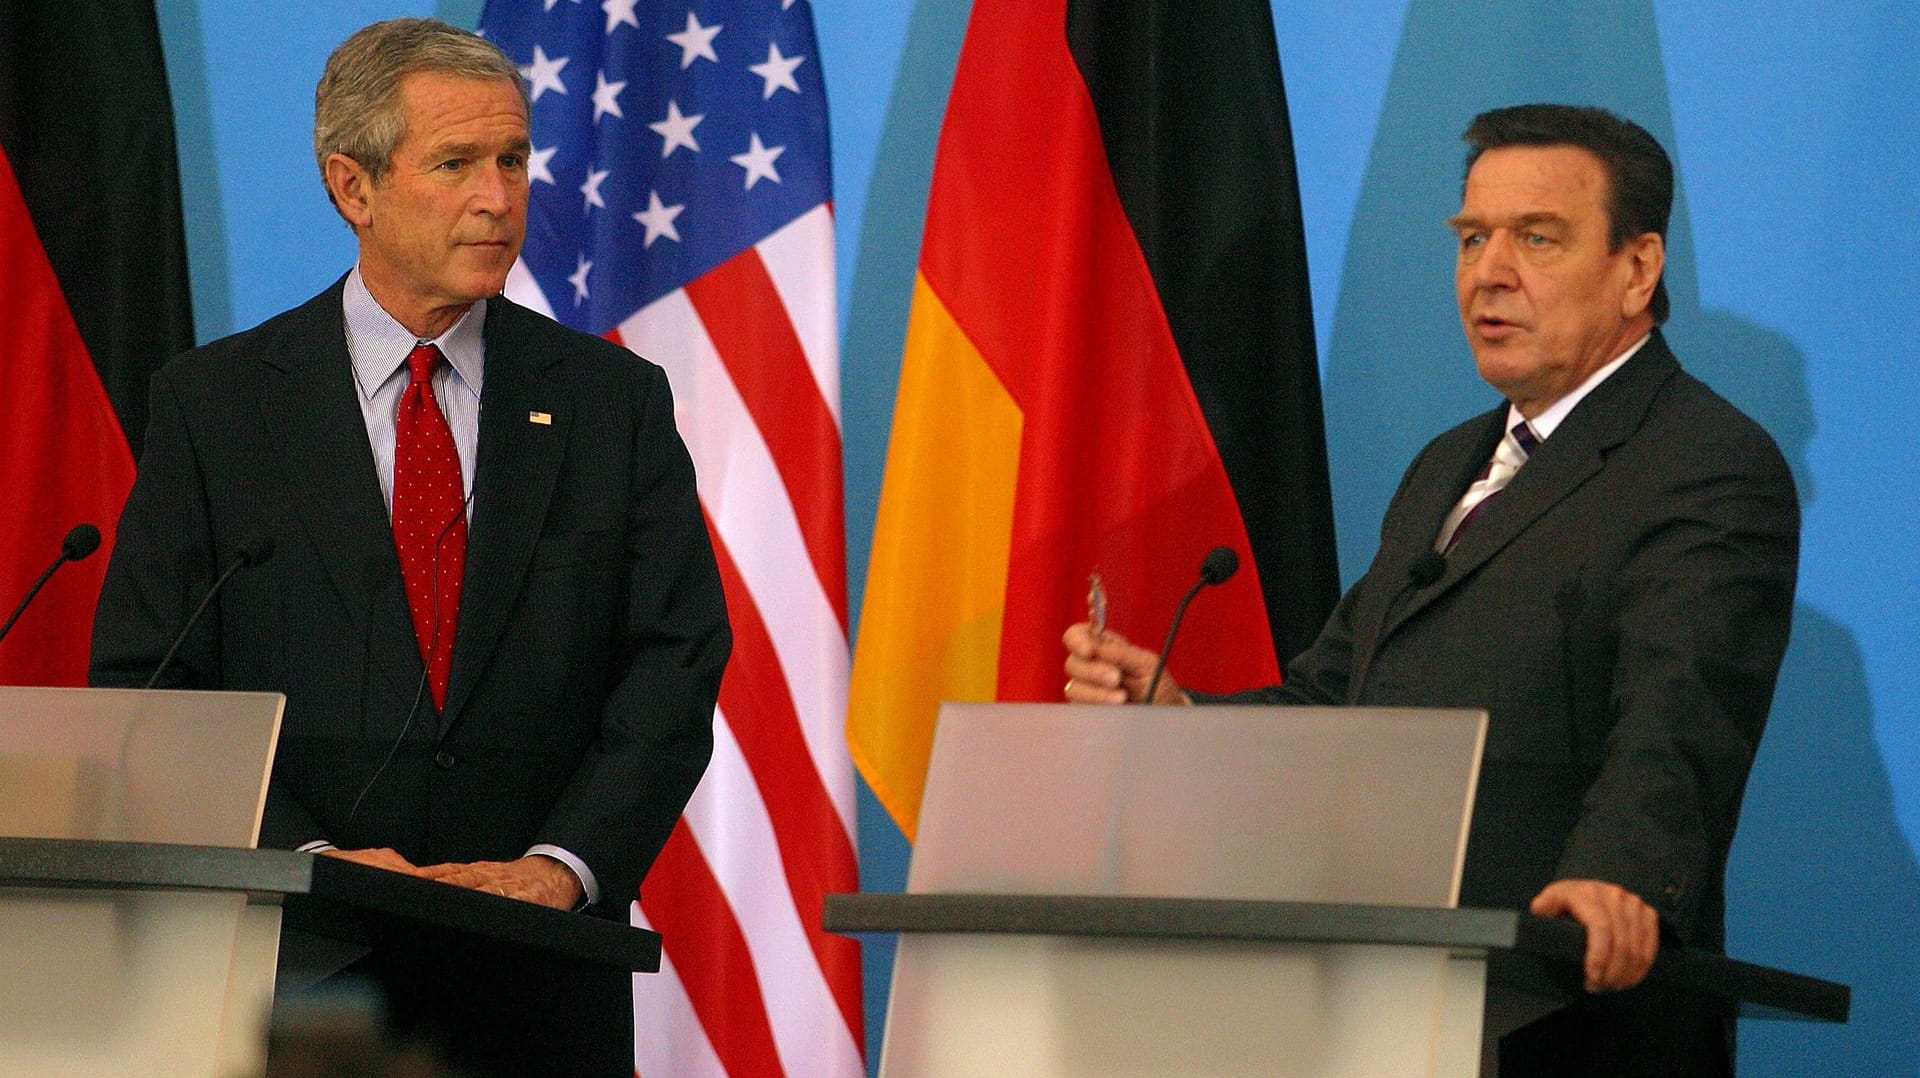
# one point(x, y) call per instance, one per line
point(319, 845)
point(588, 886)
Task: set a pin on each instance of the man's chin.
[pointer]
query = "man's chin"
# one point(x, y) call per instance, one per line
point(1504, 367)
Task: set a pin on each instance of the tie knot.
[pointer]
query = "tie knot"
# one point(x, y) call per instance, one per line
point(422, 361)
point(1523, 436)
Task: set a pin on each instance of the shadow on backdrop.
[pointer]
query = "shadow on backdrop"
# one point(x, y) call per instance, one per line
point(1398, 370)
point(181, 37)
point(885, 264)
point(1822, 880)
point(870, 350)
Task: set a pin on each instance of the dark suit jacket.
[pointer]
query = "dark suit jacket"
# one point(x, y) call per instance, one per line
point(1620, 610)
point(592, 629)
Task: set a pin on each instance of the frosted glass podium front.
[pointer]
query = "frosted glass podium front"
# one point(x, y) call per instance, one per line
point(134, 981)
point(1305, 805)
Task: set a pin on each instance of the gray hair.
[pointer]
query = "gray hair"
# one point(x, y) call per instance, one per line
point(356, 106)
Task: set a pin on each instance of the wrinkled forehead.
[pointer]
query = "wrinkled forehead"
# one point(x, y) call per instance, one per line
point(448, 110)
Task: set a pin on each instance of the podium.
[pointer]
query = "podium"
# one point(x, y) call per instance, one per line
point(140, 932)
point(1220, 891)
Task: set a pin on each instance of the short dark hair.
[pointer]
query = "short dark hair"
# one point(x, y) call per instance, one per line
point(1639, 172)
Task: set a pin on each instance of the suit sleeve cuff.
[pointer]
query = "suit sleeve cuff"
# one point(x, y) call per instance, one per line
point(588, 886)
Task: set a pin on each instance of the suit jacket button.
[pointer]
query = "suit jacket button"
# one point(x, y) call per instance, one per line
point(444, 759)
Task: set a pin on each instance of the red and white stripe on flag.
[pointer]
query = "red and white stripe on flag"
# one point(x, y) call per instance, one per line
point(752, 354)
point(680, 204)
point(749, 983)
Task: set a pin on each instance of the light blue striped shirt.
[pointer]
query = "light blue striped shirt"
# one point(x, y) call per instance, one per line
point(378, 345)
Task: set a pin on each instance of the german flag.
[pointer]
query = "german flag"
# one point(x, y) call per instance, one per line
point(93, 298)
point(1109, 368)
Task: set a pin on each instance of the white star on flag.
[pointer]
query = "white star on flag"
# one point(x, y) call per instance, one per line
point(677, 129)
point(659, 219)
point(537, 164)
point(695, 41)
point(728, 284)
point(579, 280)
point(591, 188)
point(606, 96)
point(777, 71)
point(544, 74)
point(758, 161)
point(620, 11)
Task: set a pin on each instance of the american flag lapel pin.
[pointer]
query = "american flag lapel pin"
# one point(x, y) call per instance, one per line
point(541, 418)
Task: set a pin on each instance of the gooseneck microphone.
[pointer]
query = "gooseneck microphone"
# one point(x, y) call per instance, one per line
point(254, 549)
point(1219, 565)
point(79, 545)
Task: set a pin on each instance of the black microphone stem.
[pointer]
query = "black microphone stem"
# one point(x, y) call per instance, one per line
point(79, 544)
point(1179, 612)
point(257, 547)
point(31, 592)
point(236, 566)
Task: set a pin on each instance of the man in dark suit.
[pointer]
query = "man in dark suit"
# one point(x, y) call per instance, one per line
point(491, 601)
point(1605, 563)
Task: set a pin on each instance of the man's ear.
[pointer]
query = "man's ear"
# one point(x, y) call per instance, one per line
point(351, 187)
point(1646, 260)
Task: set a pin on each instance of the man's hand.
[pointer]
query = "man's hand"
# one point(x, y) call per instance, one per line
point(533, 878)
point(1108, 670)
point(1623, 932)
point(380, 858)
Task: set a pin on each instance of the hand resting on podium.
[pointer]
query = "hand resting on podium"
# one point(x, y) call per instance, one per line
point(534, 878)
point(1623, 931)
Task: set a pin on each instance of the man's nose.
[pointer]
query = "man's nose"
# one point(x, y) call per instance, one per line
point(492, 190)
point(1495, 267)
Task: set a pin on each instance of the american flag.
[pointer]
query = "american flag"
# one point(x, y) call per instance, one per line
point(681, 206)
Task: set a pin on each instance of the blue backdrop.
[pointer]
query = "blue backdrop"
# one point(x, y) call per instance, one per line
point(1794, 254)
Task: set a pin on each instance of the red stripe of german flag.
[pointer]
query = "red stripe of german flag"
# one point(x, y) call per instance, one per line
point(1048, 423)
point(93, 298)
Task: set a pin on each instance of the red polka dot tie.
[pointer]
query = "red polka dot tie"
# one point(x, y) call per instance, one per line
point(429, 518)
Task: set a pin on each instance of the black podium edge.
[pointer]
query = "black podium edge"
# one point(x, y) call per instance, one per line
point(325, 891)
point(1556, 945)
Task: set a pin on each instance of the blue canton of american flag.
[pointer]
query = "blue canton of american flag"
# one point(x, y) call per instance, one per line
point(666, 139)
point(680, 205)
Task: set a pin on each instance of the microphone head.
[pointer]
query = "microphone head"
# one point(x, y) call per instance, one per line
point(1221, 562)
point(1426, 569)
point(80, 543)
point(254, 549)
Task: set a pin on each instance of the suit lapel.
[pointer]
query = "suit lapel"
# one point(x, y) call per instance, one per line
point(308, 400)
point(1413, 519)
point(519, 464)
point(1605, 418)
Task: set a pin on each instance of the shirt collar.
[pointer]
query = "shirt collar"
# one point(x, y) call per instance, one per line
point(379, 344)
point(1544, 424)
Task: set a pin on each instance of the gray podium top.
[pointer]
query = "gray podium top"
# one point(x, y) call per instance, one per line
point(326, 896)
point(1540, 953)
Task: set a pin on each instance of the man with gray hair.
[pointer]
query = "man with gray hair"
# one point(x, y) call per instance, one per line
point(492, 603)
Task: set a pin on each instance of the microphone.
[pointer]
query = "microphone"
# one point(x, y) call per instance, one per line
point(79, 544)
point(1427, 568)
point(257, 547)
point(1219, 565)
